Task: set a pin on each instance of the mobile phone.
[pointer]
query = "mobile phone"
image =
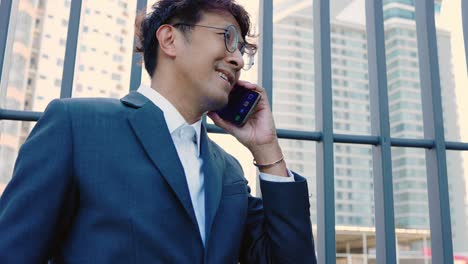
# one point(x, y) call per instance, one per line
point(241, 103)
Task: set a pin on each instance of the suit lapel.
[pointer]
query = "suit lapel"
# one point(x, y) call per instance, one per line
point(150, 127)
point(213, 169)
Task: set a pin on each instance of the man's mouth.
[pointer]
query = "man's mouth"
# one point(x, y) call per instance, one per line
point(223, 76)
point(226, 76)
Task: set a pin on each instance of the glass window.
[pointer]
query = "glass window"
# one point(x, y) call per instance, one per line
point(12, 135)
point(404, 92)
point(24, 25)
point(458, 196)
point(7, 155)
point(349, 69)
point(293, 70)
point(354, 202)
point(408, 2)
point(95, 57)
point(411, 206)
point(399, 13)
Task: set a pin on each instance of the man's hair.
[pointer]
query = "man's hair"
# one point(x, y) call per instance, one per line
point(180, 11)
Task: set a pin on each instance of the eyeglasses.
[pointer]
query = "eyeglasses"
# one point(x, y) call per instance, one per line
point(231, 41)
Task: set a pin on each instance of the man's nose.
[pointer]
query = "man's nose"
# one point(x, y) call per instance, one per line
point(236, 59)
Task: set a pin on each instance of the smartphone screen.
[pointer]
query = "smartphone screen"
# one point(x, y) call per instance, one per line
point(241, 103)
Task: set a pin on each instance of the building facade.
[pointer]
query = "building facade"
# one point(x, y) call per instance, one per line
point(34, 63)
point(293, 97)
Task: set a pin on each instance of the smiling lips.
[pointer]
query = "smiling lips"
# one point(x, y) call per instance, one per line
point(226, 76)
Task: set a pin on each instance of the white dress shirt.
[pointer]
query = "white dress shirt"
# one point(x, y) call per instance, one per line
point(189, 153)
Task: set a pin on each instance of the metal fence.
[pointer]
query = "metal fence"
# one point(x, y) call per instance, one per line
point(434, 141)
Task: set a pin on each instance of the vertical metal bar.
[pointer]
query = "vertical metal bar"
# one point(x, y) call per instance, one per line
point(364, 249)
point(5, 12)
point(265, 69)
point(71, 49)
point(436, 164)
point(324, 121)
point(135, 76)
point(381, 154)
point(464, 10)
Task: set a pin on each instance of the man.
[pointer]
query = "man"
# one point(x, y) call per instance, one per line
point(108, 181)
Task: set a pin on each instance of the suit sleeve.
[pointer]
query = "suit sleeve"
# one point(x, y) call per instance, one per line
point(33, 206)
point(278, 228)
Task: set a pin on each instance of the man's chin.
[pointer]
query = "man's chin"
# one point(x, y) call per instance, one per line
point(217, 105)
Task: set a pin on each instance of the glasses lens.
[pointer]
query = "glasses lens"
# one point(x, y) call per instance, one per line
point(231, 38)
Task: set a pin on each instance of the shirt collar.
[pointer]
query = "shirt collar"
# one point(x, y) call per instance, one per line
point(173, 118)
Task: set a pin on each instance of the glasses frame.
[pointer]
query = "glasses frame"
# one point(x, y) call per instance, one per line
point(241, 46)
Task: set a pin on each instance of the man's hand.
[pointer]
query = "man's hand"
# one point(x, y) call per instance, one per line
point(258, 134)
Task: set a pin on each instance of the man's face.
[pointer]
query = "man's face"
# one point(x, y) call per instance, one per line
point(208, 71)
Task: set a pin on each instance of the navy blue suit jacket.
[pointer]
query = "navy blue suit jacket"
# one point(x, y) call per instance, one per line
point(99, 181)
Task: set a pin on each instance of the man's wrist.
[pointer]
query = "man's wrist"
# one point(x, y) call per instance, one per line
point(266, 153)
point(269, 159)
point(268, 165)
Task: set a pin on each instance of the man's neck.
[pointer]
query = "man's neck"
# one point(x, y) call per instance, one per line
point(173, 93)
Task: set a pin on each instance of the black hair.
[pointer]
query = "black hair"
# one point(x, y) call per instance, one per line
point(180, 11)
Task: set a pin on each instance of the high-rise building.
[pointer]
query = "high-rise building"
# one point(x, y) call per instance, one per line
point(34, 63)
point(16, 79)
point(293, 100)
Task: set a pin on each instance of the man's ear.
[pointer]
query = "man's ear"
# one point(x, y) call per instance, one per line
point(166, 36)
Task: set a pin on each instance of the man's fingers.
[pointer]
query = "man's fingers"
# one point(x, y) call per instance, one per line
point(251, 86)
point(246, 84)
point(221, 123)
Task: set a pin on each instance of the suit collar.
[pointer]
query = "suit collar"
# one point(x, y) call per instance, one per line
point(134, 99)
point(148, 124)
point(174, 120)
